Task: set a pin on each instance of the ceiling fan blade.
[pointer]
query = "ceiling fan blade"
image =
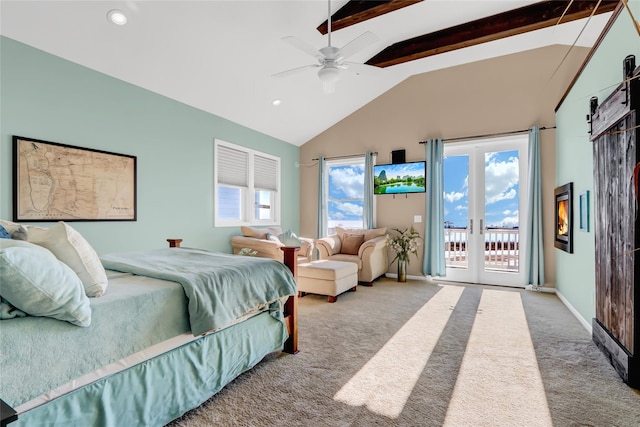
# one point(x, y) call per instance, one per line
point(294, 70)
point(357, 44)
point(303, 46)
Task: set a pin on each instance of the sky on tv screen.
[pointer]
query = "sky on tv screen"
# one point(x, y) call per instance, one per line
point(400, 169)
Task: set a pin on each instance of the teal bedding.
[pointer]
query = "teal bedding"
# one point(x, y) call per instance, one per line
point(38, 354)
point(161, 389)
point(220, 287)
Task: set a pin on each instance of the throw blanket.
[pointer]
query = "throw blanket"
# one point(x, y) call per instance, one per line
point(220, 287)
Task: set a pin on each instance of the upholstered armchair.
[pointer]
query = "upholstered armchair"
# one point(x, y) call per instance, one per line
point(266, 242)
point(366, 248)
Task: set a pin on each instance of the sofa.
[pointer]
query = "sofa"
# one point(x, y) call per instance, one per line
point(266, 242)
point(366, 248)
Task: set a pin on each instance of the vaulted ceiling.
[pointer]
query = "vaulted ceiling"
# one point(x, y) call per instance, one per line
point(219, 56)
point(505, 24)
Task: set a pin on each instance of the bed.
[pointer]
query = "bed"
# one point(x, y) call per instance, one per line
point(149, 355)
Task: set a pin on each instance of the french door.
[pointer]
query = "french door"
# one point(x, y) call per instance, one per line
point(485, 186)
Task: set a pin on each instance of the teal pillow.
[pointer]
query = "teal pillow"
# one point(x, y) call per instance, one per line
point(288, 238)
point(4, 234)
point(37, 283)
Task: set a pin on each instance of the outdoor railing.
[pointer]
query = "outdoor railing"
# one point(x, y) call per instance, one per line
point(501, 248)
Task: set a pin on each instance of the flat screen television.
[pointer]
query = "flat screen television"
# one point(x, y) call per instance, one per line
point(399, 178)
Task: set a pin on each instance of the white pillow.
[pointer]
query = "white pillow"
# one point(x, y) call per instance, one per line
point(36, 282)
point(71, 248)
point(289, 238)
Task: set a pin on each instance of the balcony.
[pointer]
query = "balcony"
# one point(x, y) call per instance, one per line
point(501, 248)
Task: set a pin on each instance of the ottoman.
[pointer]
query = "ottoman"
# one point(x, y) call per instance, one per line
point(325, 277)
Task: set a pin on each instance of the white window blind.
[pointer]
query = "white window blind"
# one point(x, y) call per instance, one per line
point(233, 166)
point(247, 186)
point(265, 172)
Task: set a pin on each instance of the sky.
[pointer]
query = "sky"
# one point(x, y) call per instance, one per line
point(501, 191)
point(345, 183)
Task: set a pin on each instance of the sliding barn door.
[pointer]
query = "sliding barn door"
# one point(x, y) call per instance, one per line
point(615, 157)
point(617, 227)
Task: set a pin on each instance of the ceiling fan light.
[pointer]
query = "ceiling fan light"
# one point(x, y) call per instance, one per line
point(329, 74)
point(117, 17)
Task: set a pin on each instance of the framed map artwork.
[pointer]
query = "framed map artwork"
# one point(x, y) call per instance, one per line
point(58, 182)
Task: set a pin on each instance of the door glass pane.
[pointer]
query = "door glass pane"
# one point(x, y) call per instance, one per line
point(456, 210)
point(501, 211)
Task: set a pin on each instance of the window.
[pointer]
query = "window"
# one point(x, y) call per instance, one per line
point(247, 186)
point(344, 193)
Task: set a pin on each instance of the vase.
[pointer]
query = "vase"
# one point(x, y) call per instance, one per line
point(402, 270)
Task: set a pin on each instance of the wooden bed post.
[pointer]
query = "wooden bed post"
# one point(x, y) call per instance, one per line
point(291, 306)
point(174, 243)
point(7, 414)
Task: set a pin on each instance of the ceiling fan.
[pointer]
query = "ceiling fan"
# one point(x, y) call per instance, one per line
point(332, 60)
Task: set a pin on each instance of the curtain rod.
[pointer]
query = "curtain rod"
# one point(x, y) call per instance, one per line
point(344, 157)
point(488, 135)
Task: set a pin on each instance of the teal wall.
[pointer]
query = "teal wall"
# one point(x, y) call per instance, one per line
point(575, 273)
point(45, 97)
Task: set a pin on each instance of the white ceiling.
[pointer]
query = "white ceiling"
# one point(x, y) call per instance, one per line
point(219, 56)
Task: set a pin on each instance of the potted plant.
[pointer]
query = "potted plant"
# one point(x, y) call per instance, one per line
point(405, 243)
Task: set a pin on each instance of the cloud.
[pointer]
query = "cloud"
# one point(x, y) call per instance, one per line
point(510, 222)
point(461, 207)
point(348, 180)
point(507, 195)
point(506, 212)
point(454, 196)
point(347, 209)
point(501, 177)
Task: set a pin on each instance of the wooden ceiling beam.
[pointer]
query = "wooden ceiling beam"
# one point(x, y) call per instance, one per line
point(513, 22)
point(356, 11)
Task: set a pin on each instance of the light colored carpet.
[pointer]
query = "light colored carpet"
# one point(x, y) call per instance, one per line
point(418, 354)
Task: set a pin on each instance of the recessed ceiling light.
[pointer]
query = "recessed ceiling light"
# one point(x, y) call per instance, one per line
point(276, 102)
point(117, 17)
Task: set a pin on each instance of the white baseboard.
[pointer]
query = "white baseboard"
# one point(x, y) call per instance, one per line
point(395, 276)
point(583, 322)
point(540, 289)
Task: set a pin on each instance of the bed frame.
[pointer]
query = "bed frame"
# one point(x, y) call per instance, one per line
point(8, 414)
point(291, 306)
